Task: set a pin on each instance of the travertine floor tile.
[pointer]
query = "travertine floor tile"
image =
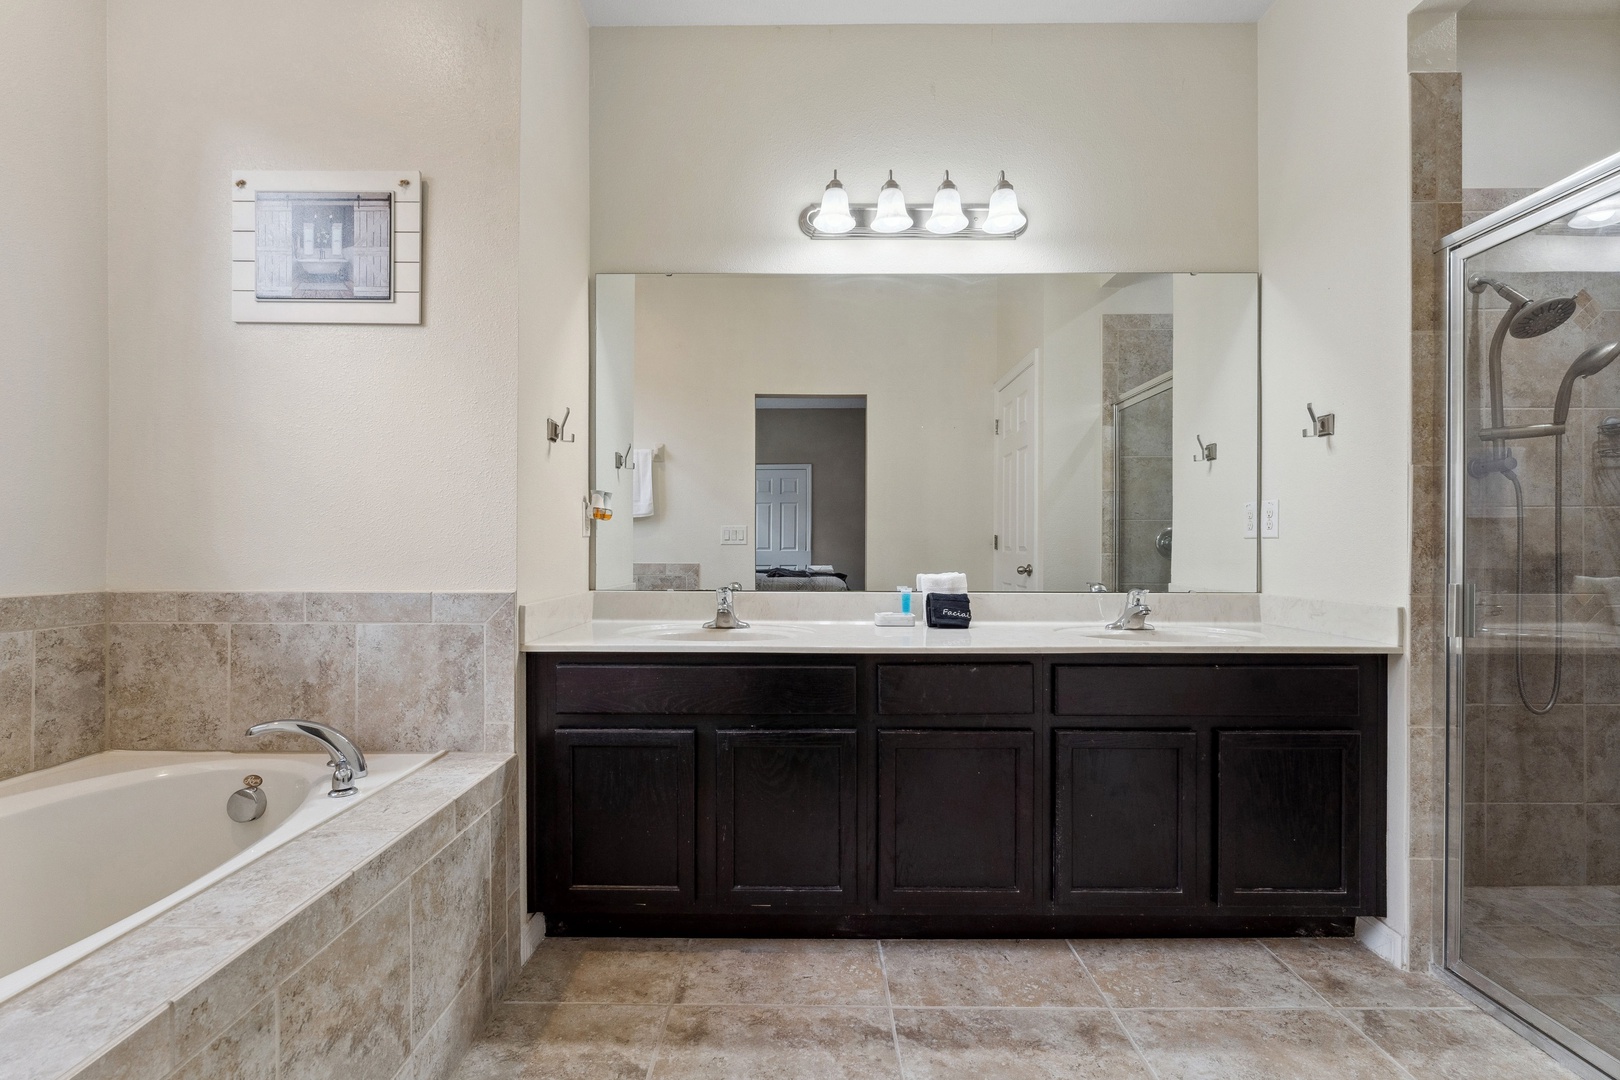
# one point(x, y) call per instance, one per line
point(1258, 1044)
point(626, 971)
point(786, 972)
point(1194, 972)
point(1347, 974)
point(565, 1042)
point(745, 1042)
point(1593, 1018)
point(1015, 1044)
point(1027, 973)
point(1453, 1044)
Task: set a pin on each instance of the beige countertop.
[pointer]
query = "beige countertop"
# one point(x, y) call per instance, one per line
point(851, 636)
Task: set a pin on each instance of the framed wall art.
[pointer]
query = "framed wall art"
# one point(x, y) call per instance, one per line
point(326, 247)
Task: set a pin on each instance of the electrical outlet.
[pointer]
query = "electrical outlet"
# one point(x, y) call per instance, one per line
point(734, 536)
point(1270, 519)
point(1251, 521)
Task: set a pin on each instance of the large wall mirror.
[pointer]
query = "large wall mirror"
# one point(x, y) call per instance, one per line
point(1041, 433)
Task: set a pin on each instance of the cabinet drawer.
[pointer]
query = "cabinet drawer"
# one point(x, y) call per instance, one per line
point(964, 689)
point(707, 689)
point(1206, 690)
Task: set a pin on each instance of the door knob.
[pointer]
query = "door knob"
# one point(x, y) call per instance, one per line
point(1028, 569)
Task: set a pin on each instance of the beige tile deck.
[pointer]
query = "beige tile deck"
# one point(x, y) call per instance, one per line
point(1228, 1009)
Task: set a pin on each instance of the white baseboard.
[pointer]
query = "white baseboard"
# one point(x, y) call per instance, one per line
point(534, 929)
point(1381, 938)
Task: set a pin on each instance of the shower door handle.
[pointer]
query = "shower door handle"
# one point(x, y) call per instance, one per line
point(1464, 609)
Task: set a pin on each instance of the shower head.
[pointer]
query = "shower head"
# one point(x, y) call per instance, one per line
point(1590, 362)
point(1527, 318)
point(1542, 317)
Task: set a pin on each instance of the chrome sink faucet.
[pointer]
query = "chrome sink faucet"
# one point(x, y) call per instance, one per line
point(1134, 617)
point(725, 612)
point(347, 762)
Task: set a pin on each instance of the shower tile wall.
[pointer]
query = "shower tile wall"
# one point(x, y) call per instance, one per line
point(191, 671)
point(1437, 210)
point(1136, 349)
point(1542, 793)
point(53, 657)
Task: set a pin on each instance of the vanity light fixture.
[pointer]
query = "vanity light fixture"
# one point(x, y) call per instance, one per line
point(834, 217)
point(892, 216)
point(947, 217)
point(1004, 216)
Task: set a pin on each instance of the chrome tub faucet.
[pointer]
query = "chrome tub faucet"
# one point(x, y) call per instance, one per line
point(1134, 617)
point(725, 611)
point(348, 763)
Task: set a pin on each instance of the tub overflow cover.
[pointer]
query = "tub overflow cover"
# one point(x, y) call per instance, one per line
point(247, 803)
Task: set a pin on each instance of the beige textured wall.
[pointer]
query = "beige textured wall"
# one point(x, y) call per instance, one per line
point(1541, 98)
point(53, 280)
point(1132, 146)
point(311, 457)
point(553, 555)
point(1337, 301)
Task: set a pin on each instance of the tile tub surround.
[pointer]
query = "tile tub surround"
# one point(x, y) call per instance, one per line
point(371, 946)
point(53, 658)
point(86, 672)
point(1231, 1009)
point(427, 671)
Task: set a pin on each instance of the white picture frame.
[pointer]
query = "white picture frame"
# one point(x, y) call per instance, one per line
point(358, 261)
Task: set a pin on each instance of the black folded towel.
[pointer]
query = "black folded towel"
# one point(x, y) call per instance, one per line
point(948, 610)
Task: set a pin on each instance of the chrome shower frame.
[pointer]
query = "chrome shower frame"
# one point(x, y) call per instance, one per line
point(1549, 205)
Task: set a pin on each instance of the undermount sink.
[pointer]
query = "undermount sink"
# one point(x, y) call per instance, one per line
point(688, 632)
point(1167, 635)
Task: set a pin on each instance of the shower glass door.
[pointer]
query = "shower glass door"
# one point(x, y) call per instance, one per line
point(1143, 486)
point(1533, 889)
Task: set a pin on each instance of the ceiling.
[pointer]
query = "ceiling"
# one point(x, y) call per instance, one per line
point(888, 12)
point(1542, 9)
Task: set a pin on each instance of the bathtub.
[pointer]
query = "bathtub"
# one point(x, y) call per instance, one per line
point(94, 848)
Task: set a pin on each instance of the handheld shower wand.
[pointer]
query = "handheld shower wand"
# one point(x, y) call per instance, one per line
point(1589, 363)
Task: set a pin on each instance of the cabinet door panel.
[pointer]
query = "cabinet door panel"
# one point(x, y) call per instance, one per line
point(1288, 818)
point(785, 817)
point(1126, 816)
point(955, 818)
point(624, 803)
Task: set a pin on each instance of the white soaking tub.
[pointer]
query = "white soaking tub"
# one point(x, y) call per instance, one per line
point(91, 849)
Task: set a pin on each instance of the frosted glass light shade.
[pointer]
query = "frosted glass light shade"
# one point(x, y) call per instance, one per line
point(892, 216)
point(947, 217)
point(834, 216)
point(1597, 216)
point(1004, 216)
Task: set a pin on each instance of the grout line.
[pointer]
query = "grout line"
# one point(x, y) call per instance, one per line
point(1112, 1011)
point(33, 700)
point(1338, 1014)
point(888, 997)
point(658, 1047)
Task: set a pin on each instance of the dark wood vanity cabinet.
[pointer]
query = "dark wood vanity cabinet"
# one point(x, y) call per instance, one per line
point(993, 795)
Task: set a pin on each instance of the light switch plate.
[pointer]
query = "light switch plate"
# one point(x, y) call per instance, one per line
point(1270, 522)
point(734, 535)
point(1251, 521)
